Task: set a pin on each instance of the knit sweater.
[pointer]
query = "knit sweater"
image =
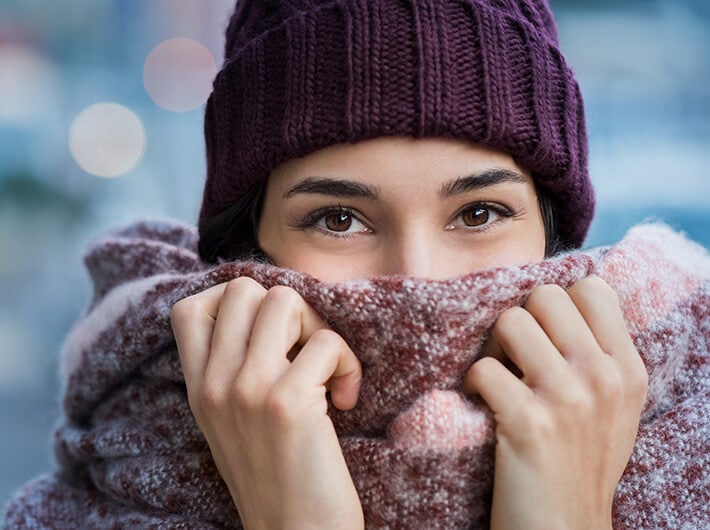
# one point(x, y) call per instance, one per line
point(130, 455)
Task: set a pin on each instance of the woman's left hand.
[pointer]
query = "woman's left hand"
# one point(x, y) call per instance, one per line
point(566, 429)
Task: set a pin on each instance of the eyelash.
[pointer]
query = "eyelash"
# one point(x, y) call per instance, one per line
point(501, 211)
point(311, 220)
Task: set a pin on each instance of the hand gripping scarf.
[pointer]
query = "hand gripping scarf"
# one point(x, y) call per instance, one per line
point(420, 452)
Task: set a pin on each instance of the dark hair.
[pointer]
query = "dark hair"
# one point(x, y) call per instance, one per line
point(232, 234)
point(553, 243)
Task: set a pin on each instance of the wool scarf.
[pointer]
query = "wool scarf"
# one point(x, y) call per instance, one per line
point(421, 453)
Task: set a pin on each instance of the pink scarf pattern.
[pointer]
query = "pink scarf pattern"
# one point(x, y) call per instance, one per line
point(129, 454)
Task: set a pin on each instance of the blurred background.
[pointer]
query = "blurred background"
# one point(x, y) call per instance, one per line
point(101, 107)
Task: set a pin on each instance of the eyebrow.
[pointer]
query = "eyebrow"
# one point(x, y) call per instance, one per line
point(489, 177)
point(335, 187)
point(350, 188)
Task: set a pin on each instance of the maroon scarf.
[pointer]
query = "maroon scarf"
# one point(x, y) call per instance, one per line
point(421, 454)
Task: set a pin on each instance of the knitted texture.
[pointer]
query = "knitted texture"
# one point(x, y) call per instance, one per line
point(301, 75)
point(420, 452)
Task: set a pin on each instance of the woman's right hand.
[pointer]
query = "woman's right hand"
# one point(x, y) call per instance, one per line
point(264, 415)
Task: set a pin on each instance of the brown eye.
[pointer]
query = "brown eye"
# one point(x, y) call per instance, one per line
point(476, 216)
point(338, 222)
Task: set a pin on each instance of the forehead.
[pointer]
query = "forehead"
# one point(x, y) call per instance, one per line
point(396, 160)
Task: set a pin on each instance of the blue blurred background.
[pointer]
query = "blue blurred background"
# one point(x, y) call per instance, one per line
point(66, 176)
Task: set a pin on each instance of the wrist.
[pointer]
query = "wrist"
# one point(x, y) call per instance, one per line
point(551, 518)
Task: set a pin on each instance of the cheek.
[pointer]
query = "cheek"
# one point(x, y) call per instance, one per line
point(293, 251)
point(326, 266)
point(509, 257)
point(516, 249)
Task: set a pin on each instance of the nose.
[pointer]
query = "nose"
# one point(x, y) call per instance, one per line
point(415, 254)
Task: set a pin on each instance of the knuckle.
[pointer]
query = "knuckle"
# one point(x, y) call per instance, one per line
point(327, 338)
point(544, 293)
point(211, 396)
point(242, 396)
point(283, 294)
point(182, 310)
point(612, 385)
point(550, 289)
point(511, 318)
point(595, 288)
point(537, 423)
point(279, 404)
point(241, 285)
point(285, 299)
point(481, 366)
point(579, 400)
point(598, 283)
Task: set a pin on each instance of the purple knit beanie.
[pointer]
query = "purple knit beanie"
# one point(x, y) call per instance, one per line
point(300, 75)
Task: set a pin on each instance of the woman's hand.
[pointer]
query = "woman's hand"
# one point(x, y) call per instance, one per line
point(565, 431)
point(264, 415)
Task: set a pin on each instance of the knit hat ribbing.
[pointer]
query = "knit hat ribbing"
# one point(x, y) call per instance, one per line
point(301, 75)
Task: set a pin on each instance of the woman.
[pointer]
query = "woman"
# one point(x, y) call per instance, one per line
point(414, 361)
point(435, 139)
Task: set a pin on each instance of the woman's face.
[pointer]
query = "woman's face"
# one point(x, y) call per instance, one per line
point(426, 207)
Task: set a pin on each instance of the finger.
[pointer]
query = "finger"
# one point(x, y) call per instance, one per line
point(284, 319)
point(193, 320)
point(599, 305)
point(238, 307)
point(560, 319)
point(327, 358)
point(519, 336)
point(500, 389)
point(492, 348)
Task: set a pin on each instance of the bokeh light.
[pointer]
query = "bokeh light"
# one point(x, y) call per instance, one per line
point(29, 85)
point(107, 139)
point(178, 74)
